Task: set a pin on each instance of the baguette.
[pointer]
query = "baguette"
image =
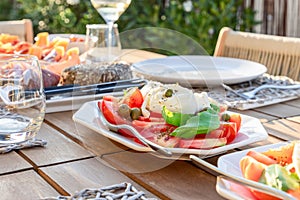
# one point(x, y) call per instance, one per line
point(87, 74)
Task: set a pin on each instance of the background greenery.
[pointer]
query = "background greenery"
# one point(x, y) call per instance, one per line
point(202, 23)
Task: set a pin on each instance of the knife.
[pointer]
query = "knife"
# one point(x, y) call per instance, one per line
point(107, 87)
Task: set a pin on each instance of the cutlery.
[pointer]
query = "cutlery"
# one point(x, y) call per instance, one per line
point(76, 90)
point(253, 184)
point(251, 94)
point(234, 92)
point(153, 146)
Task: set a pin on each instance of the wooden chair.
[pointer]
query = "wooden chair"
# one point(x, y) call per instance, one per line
point(22, 28)
point(281, 55)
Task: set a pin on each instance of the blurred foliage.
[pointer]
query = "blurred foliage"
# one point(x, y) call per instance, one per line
point(57, 16)
point(6, 8)
point(201, 20)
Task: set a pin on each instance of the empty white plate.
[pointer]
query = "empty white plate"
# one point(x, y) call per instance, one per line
point(199, 70)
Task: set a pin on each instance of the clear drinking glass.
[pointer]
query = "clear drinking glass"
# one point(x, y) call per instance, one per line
point(110, 10)
point(97, 43)
point(22, 98)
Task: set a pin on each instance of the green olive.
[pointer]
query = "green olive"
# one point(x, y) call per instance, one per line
point(124, 111)
point(169, 93)
point(225, 117)
point(135, 113)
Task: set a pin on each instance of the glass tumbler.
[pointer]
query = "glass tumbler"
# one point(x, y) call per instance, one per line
point(22, 98)
point(99, 50)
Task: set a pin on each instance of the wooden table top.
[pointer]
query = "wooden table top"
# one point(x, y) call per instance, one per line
point(77, 157)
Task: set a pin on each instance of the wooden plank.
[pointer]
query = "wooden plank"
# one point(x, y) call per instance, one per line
point(270, 140)
point(284, 129)
point(295, 103)
point(11, 162)
point(91, 173)
point(280, 110)
point(25, 185)
point(93, 141)
point(294, 119)
point(170, 179)
point(59, 149)
point(134, 55)
point(261, 116)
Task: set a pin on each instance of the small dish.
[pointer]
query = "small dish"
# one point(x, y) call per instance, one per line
point(230, 164)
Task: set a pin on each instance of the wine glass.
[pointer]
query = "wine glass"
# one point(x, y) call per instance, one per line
point(110, 10)
point(22, 98)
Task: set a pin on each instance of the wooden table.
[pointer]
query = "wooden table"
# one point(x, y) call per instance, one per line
point(77, 158)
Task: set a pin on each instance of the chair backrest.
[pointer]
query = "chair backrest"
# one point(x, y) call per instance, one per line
point(281, 55)
point(22, 28)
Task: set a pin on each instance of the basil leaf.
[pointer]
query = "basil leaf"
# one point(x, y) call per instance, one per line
point(203, 123)
point(176, 119)
point(214, 108)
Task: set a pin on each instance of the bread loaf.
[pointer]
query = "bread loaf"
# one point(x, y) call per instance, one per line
point(87, 74)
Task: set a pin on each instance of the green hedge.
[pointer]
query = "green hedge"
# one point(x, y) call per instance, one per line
point(201, 22)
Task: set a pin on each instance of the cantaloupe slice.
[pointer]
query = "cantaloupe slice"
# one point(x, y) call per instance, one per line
point(36, 51)
point(283, 154)
point(63, 42)
point(73, 51)
point(42, 39)
point(7, 38)
point(60, 52)
point(296, 158)
point(60, 66)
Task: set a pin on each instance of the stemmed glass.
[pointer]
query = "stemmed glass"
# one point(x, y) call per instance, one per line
point(110, 10)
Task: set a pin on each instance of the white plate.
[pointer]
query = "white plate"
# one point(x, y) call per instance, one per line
point(230, 163)
point(68, 36)
point(60, 103)
point(199, 70)
point(251, 131)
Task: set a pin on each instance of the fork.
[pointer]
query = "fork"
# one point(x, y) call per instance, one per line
point(251, 94)
point(253, 184)
point(151, 145)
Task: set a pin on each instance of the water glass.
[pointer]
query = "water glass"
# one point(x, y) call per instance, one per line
point(22, 98)
point(98, 48)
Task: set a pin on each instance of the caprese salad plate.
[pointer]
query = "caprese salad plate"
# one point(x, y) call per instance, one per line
point(173, 117)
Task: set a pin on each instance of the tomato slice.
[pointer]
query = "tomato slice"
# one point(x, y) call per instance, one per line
point(144, 119)
point(110, 98)
point(157, 133)
point(110, 113)
point(236, 118)
point(151, 119)
point(226, 130)
point(152, 129)
point(207, 143)
point(133, 98)
point(168, 141)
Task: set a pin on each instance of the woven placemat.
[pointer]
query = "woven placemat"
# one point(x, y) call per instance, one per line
point(27, 144)
point(262, 98)
point(122, 191)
